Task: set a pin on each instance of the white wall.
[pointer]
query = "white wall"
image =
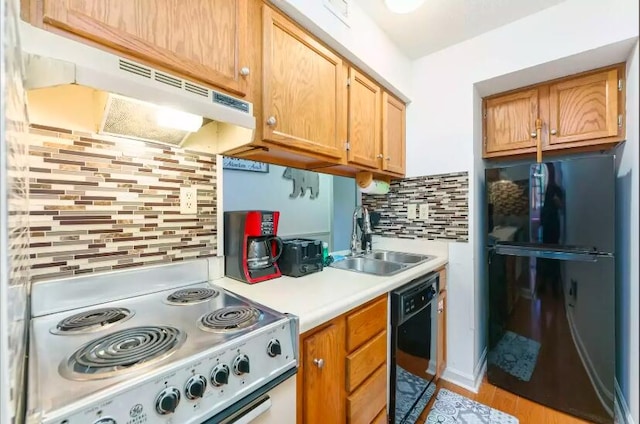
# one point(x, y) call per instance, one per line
point(301, 216)
point(362, 42)
point(627, 252)
point(443, 126)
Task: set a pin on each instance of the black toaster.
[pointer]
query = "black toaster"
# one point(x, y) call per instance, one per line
point(300, 257)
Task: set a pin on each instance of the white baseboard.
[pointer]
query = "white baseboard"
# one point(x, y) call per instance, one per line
point(621, 407)
point(604, 394)
point(465, 380)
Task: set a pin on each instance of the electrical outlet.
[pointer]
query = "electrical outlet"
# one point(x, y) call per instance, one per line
point(424, 211)
point(188, 200)
point(412, 211)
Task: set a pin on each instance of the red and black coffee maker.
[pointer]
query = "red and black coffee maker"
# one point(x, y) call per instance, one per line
point(251, 247)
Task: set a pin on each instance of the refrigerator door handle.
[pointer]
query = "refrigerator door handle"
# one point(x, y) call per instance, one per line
point(546, 254)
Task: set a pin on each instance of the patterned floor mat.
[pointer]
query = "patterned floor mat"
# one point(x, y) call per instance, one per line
point(452, 408)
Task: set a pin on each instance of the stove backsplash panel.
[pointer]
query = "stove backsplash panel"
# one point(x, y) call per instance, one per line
point(102, 203)
point(447, 196)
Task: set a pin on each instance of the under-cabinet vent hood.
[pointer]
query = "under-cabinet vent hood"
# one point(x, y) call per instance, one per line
point(76, 86)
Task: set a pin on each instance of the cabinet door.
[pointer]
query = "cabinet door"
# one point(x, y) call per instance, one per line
point(584, 108)
point(393, 134)
point(202, 39)
point(324, 376)
point(509, 123)
point(364, 121)
point(303, 89)
point(441, 355)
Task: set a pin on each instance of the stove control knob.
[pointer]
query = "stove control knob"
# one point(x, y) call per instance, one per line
point(167, 401)
point(241, 365)
point(273, 348)
point(220, 375)
point(106, 421)
point(194, 389)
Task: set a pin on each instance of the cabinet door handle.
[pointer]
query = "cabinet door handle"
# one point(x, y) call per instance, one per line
point(319, 362)
point(379, 156)
point(534, 134)
point(554, 132)
point(244, 71)
point(271, 121)
point(388, 158)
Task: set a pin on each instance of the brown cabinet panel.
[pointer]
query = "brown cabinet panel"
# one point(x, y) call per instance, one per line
point(323, 372)
point(393, 134)
point(362, 362)
point(364, 405)
point(303, 90)
point(366, 323)
point(381, 418)
point(584, 108)
point(205, 40)
point(441, 354)
point(364, 120)
point(510, 121)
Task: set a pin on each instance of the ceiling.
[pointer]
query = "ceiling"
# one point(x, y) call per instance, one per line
point(441, 23)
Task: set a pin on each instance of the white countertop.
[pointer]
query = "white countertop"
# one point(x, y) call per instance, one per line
point(319, 297)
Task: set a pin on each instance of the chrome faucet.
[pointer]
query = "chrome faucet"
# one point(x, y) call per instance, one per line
point(366, 231)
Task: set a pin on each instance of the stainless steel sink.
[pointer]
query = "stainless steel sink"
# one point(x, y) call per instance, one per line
point(381, 262)
point(369, 266)
point(399, 257)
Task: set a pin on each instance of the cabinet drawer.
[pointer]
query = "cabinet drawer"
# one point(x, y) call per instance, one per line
point(365, 403)
point(362, 362)
point(381, 418)
point(366, 323)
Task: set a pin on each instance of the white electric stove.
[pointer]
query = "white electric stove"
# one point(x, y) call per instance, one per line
point(158, 351)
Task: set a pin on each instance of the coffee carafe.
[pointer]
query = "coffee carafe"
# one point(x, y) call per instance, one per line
point(251, 245)
point(260, 252)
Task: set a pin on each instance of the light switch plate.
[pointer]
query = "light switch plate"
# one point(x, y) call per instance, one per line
point(412, 211)
point(188, 200)
point(424, 211)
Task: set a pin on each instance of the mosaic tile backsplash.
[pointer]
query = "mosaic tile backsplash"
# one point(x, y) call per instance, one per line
point(104, 203)
point(447, 196)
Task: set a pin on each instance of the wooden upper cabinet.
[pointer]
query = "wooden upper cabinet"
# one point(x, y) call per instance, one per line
point(510, 121)
point(584, 108)
point(584, 112)
point(364, 120)
point(393, 134)
point(204, 40)
point(324, 376)
point(303, 90)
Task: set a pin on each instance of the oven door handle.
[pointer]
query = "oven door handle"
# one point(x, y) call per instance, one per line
point(250, 412)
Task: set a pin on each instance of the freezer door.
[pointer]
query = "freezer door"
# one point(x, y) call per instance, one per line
point(565, 203)
point(551, 330)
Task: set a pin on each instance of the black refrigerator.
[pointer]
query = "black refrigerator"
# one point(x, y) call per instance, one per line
point(551, 283)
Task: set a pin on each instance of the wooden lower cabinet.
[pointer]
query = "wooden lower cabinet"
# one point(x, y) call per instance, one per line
point(338, 384)
point(323, 354)
point(441, 354)
point(364, 404)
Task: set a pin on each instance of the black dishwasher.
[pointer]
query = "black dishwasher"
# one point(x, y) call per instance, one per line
point(414, 328)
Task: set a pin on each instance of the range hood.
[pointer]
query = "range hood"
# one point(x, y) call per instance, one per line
point(75, 86)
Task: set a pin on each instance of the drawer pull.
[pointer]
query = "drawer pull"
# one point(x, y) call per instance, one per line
point(319, 362)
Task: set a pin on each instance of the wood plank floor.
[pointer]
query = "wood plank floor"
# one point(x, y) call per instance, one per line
point(526, 411)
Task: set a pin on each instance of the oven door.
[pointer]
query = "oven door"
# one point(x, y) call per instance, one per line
point(273, 403)
point(414, 358)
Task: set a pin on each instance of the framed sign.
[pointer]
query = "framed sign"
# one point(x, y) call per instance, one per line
point(244, 164)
